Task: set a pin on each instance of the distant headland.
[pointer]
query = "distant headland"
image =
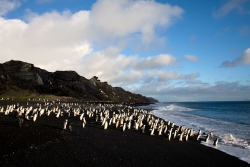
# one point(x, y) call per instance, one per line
point(21, 81)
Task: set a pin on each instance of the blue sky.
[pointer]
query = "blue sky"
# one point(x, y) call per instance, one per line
point(172, 50)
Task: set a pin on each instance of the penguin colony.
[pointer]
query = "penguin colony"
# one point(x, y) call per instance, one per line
point(120, 116)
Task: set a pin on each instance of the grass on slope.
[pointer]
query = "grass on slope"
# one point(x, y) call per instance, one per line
point(19, 94)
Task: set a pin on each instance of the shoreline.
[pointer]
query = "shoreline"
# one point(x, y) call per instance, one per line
point(230, 140)
point(45, 142)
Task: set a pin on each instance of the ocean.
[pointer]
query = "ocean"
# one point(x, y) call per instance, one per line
point(229, 121)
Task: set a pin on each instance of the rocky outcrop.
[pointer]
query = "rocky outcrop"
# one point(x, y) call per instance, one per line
point(63, 83)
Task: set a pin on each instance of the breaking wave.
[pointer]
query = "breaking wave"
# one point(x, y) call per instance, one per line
point(234, 137)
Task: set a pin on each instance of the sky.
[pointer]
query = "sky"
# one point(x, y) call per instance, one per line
point(171, 50)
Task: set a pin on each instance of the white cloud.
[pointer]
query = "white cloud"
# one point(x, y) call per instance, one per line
point(191, 76)
point(90, 42)
point(155, 62)
point(116, 68)
point(127, 79)
point(107, 64)
point(192, 58)
point(244, 59)
point(228, 7)
point(45, 39)
point(163, 76)
point(118, 19)
point(220, 91)
point(8, 5)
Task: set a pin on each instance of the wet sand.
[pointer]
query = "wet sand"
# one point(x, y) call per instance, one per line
point(44, 143)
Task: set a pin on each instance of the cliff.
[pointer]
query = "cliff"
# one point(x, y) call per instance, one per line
point(25, 76)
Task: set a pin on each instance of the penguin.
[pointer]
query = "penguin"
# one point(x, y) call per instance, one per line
point(70, 127)
point(61, 114)
point(48, 113)
point(211, 135)
point(103, 121)
point(170, 131)
point(182, 128)
point(165, 130)
point(34, 118)
point(152, 131)
point(96, 118)
point(199, 132)
point(6, 112)
point(65, 124)
point(160, 131)
point(121, 121)
point(27, 117)
point(110, 121)
point(143, 128)
point(169, 136)
point(58, 114)
point(81, 116)
point(175, 133)
point(206, 139)
point(106, 125)
point(124, 127)
point(114, 120)
point(129, 125)
point(150, 122)
point(136, 126)
point(140, 123)
point(186, 138)
point(216, 141)
point(84, 120)
point(198, 137)
point(42, 112)
point(192, 132)
point(117, 123)
point(172, 125)
point(180, 139)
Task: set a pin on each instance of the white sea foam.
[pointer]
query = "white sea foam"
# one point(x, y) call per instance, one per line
point(173, 107)
point(233, 138)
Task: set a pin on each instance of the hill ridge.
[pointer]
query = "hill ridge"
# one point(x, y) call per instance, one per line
point(16, 74)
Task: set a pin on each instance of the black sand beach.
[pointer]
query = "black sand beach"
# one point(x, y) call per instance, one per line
point(44, 143)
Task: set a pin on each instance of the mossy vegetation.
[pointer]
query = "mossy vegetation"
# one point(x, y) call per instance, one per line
point(19, 94)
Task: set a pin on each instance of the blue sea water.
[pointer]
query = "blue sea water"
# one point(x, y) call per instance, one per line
point(229, 121)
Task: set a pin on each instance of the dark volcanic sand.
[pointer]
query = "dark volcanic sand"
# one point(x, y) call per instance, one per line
point(43, 143)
